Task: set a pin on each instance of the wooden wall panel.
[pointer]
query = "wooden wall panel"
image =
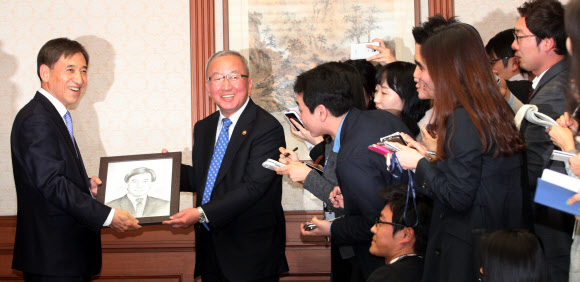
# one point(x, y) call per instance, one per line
point(160, 253)
point(443, 7)
point(202, 17)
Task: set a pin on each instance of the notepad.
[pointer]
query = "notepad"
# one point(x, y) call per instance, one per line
point(555, 188)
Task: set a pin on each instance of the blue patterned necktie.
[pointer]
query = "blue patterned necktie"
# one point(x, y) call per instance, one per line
point(69, 125)
point(216, 161)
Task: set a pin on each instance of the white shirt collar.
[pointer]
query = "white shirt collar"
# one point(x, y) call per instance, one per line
point(233, 118)
point(55, 102)
point(538, 78)
point(402, 257)
point(236, 116)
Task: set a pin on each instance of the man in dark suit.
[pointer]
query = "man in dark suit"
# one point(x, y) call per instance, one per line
point(540, 43)
point(324, 97)
point(58, 220)
point(137, 201)
point(400, 236)
point(240, 235)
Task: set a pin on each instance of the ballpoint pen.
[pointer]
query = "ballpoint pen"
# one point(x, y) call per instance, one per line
point(288, 154)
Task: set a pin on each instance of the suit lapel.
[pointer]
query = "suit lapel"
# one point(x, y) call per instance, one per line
point(551, 73)
point(59, 122)
point(127, 205)
point(238, 137)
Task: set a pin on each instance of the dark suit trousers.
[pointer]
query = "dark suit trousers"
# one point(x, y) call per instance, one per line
point(210, 264)
point(29, 277)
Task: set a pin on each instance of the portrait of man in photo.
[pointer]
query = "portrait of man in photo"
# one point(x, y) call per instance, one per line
point(137, 201)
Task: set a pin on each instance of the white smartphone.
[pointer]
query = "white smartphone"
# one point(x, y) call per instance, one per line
point(360, 51)
point(293, 115)
point(271, 164)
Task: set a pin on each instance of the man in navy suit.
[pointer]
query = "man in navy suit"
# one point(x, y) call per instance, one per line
point(58, 219)
point(239, 222)
point(324, 97)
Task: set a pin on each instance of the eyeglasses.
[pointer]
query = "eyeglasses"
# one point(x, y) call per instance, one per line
point(492, 61)
point(518, 37)
point(233, 78)
point(378, 221)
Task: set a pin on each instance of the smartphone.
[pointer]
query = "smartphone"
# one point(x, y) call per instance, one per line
point(271, 164)
point(389, 146)
point(293, 115)
point(394, 138)
point(320, 171)
point(360, 51)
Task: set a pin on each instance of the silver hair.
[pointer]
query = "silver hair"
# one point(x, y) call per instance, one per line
point(228, 53)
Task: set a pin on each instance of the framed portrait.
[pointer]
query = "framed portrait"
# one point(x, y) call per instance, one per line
point(146, 186)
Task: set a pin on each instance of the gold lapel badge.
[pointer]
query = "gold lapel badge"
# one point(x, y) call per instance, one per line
point(244, 132)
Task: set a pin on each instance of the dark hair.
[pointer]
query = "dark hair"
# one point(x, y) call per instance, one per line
point(367, 75)
point(428, 28)
point(461, 79)
point(512, 255)
point(140, 170)
point(573, 29)
point(399, 76)
point(331, 84)
point(396, 198)
point(545, 19)
point(52, 50)
point(501, 46)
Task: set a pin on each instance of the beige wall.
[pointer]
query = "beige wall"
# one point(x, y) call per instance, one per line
point(138, 97)
point(489, 16)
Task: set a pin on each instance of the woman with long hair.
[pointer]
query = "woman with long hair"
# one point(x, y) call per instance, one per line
point(476, 181)
point(396, 93)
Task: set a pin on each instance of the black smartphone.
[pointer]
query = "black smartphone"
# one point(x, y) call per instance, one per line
point(320, 171)
point(293, 115)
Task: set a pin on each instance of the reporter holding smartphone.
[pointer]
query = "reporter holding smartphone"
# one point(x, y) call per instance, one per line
point(476, 183)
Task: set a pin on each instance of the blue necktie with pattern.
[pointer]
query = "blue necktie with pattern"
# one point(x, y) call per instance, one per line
point(69, 126)
point(216, 161)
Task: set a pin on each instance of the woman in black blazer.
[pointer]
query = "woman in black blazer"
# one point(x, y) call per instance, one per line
point(475, 182)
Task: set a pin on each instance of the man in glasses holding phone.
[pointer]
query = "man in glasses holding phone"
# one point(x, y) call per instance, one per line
point(400, 235)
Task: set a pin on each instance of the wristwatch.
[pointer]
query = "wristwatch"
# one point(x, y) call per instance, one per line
point(202, 218)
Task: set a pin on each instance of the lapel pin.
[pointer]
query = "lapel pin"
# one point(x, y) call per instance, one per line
point(244, 132)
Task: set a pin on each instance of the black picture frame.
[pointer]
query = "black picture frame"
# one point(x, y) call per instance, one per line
point(161, 172)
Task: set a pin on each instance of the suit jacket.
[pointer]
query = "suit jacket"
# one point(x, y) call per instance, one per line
point(550, 97)
point(472, 193)
point(408, 269)
point(361, 174)
point(246, 220)
point(58, 221)
point(153, 206)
